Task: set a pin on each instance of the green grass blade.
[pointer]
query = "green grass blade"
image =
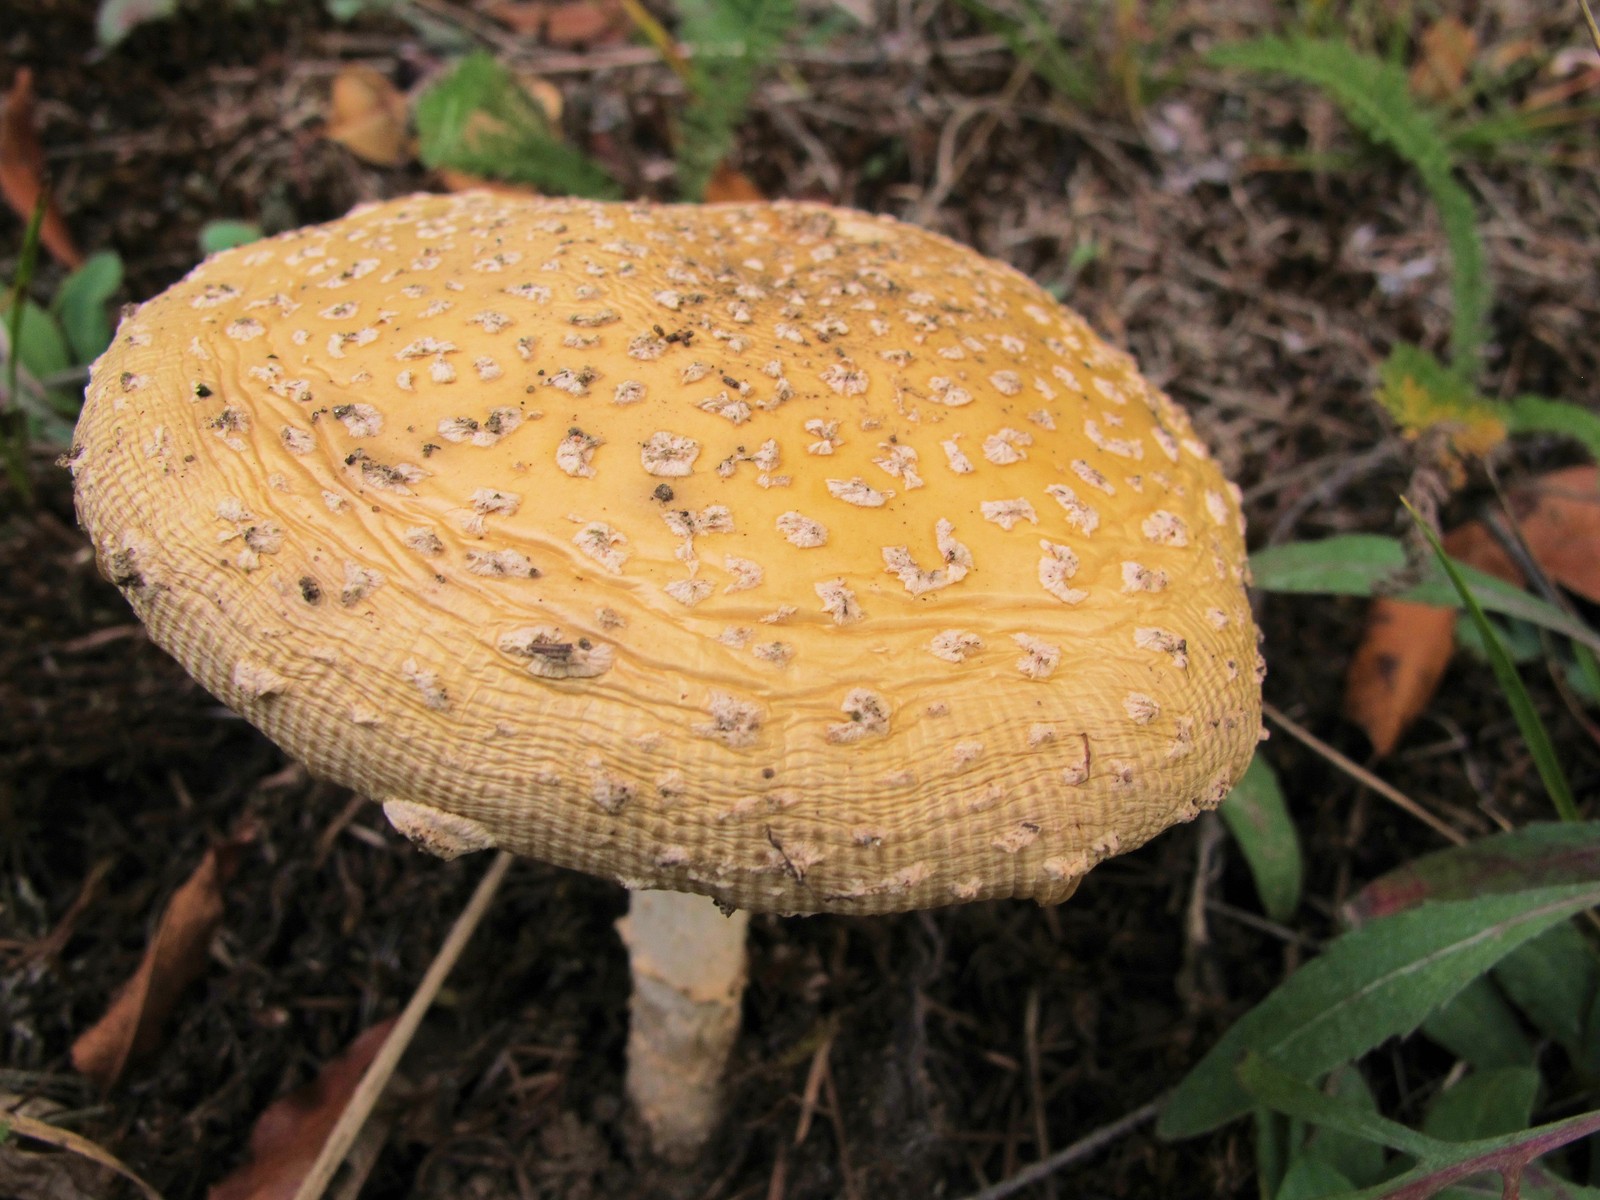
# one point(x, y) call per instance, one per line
point(13, 422)
point(1371, 984)
point(1505, 672)
point(1377, 98)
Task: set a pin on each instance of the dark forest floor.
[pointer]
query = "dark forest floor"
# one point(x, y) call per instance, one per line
point(1259, 294)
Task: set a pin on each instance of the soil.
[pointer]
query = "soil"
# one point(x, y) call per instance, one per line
point(1257, 257)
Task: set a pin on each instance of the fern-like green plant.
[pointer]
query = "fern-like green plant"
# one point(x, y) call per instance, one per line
point(1377, 98)
point(478, 119)
point(733, 42)
point(1418, 390)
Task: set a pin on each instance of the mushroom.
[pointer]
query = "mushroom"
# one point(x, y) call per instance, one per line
point(779, 554)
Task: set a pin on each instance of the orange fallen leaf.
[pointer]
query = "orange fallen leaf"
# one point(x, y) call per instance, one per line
point(1397, 667)
point(22, 171)
point(1447, 50)
point(570, 25)
point(1559, 516)
point(1406, 647)
point(368, 116)
point(132, 1026)
point(727, 185)
point(290, 1132)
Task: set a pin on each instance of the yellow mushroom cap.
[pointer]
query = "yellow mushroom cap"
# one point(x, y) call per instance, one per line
point(777, 552)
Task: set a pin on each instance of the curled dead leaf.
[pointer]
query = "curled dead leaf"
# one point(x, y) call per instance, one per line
point(133, 1024)
point(290, 1131)
point(368, 116)
point(22, 170)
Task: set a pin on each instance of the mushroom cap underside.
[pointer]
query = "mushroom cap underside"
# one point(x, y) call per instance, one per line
point(781, 553)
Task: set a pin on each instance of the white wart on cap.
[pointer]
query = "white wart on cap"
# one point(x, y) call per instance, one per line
point(780, 553)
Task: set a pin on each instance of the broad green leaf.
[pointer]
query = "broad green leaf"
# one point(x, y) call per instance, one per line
point(1367, 564)
point(1554, 980)
point(1310, 1178)
point(1540, 746)
point(1439, 1163)
point(216, 236)
point(41, 348)
point(1358, 1159)
point(1540, 854)
point(1479, 1027)
point(1484, 1104)
point(1256, 815)
point(1537, 414)
point(80, 305)
point(1369, 985)
point(1278, 1089)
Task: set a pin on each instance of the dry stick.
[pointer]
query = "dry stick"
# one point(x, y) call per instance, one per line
point(372, 1083)
point(1082, 1148)
point(1362, 776)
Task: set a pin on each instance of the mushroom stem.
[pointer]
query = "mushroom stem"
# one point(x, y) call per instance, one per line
point(688, 962)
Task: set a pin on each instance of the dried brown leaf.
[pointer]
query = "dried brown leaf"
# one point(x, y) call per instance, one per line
point(1406, 648)
point(368, 116)
point(1396, 669)
point(727, 185)
point(132, 1026)
point(22, 170)
point(577, 23)
point(291, 1131)
point(1447, 50)
point(1559, 517)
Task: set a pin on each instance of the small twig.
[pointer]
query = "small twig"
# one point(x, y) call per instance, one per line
point(1361, 775)
point(1030, 1037)
point(836, 1115)
point(355, 1113)
point(813, 1088)
point(1594, 30)
point(1065, 1157)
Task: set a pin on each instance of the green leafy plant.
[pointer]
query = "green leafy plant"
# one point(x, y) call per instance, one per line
point(1419, 390)
point(1473, 946)
point(1258, 819)
point(1468, 944)
point(46, 348)
point(733, 41)
point(480, 120)
point(1121, 65)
